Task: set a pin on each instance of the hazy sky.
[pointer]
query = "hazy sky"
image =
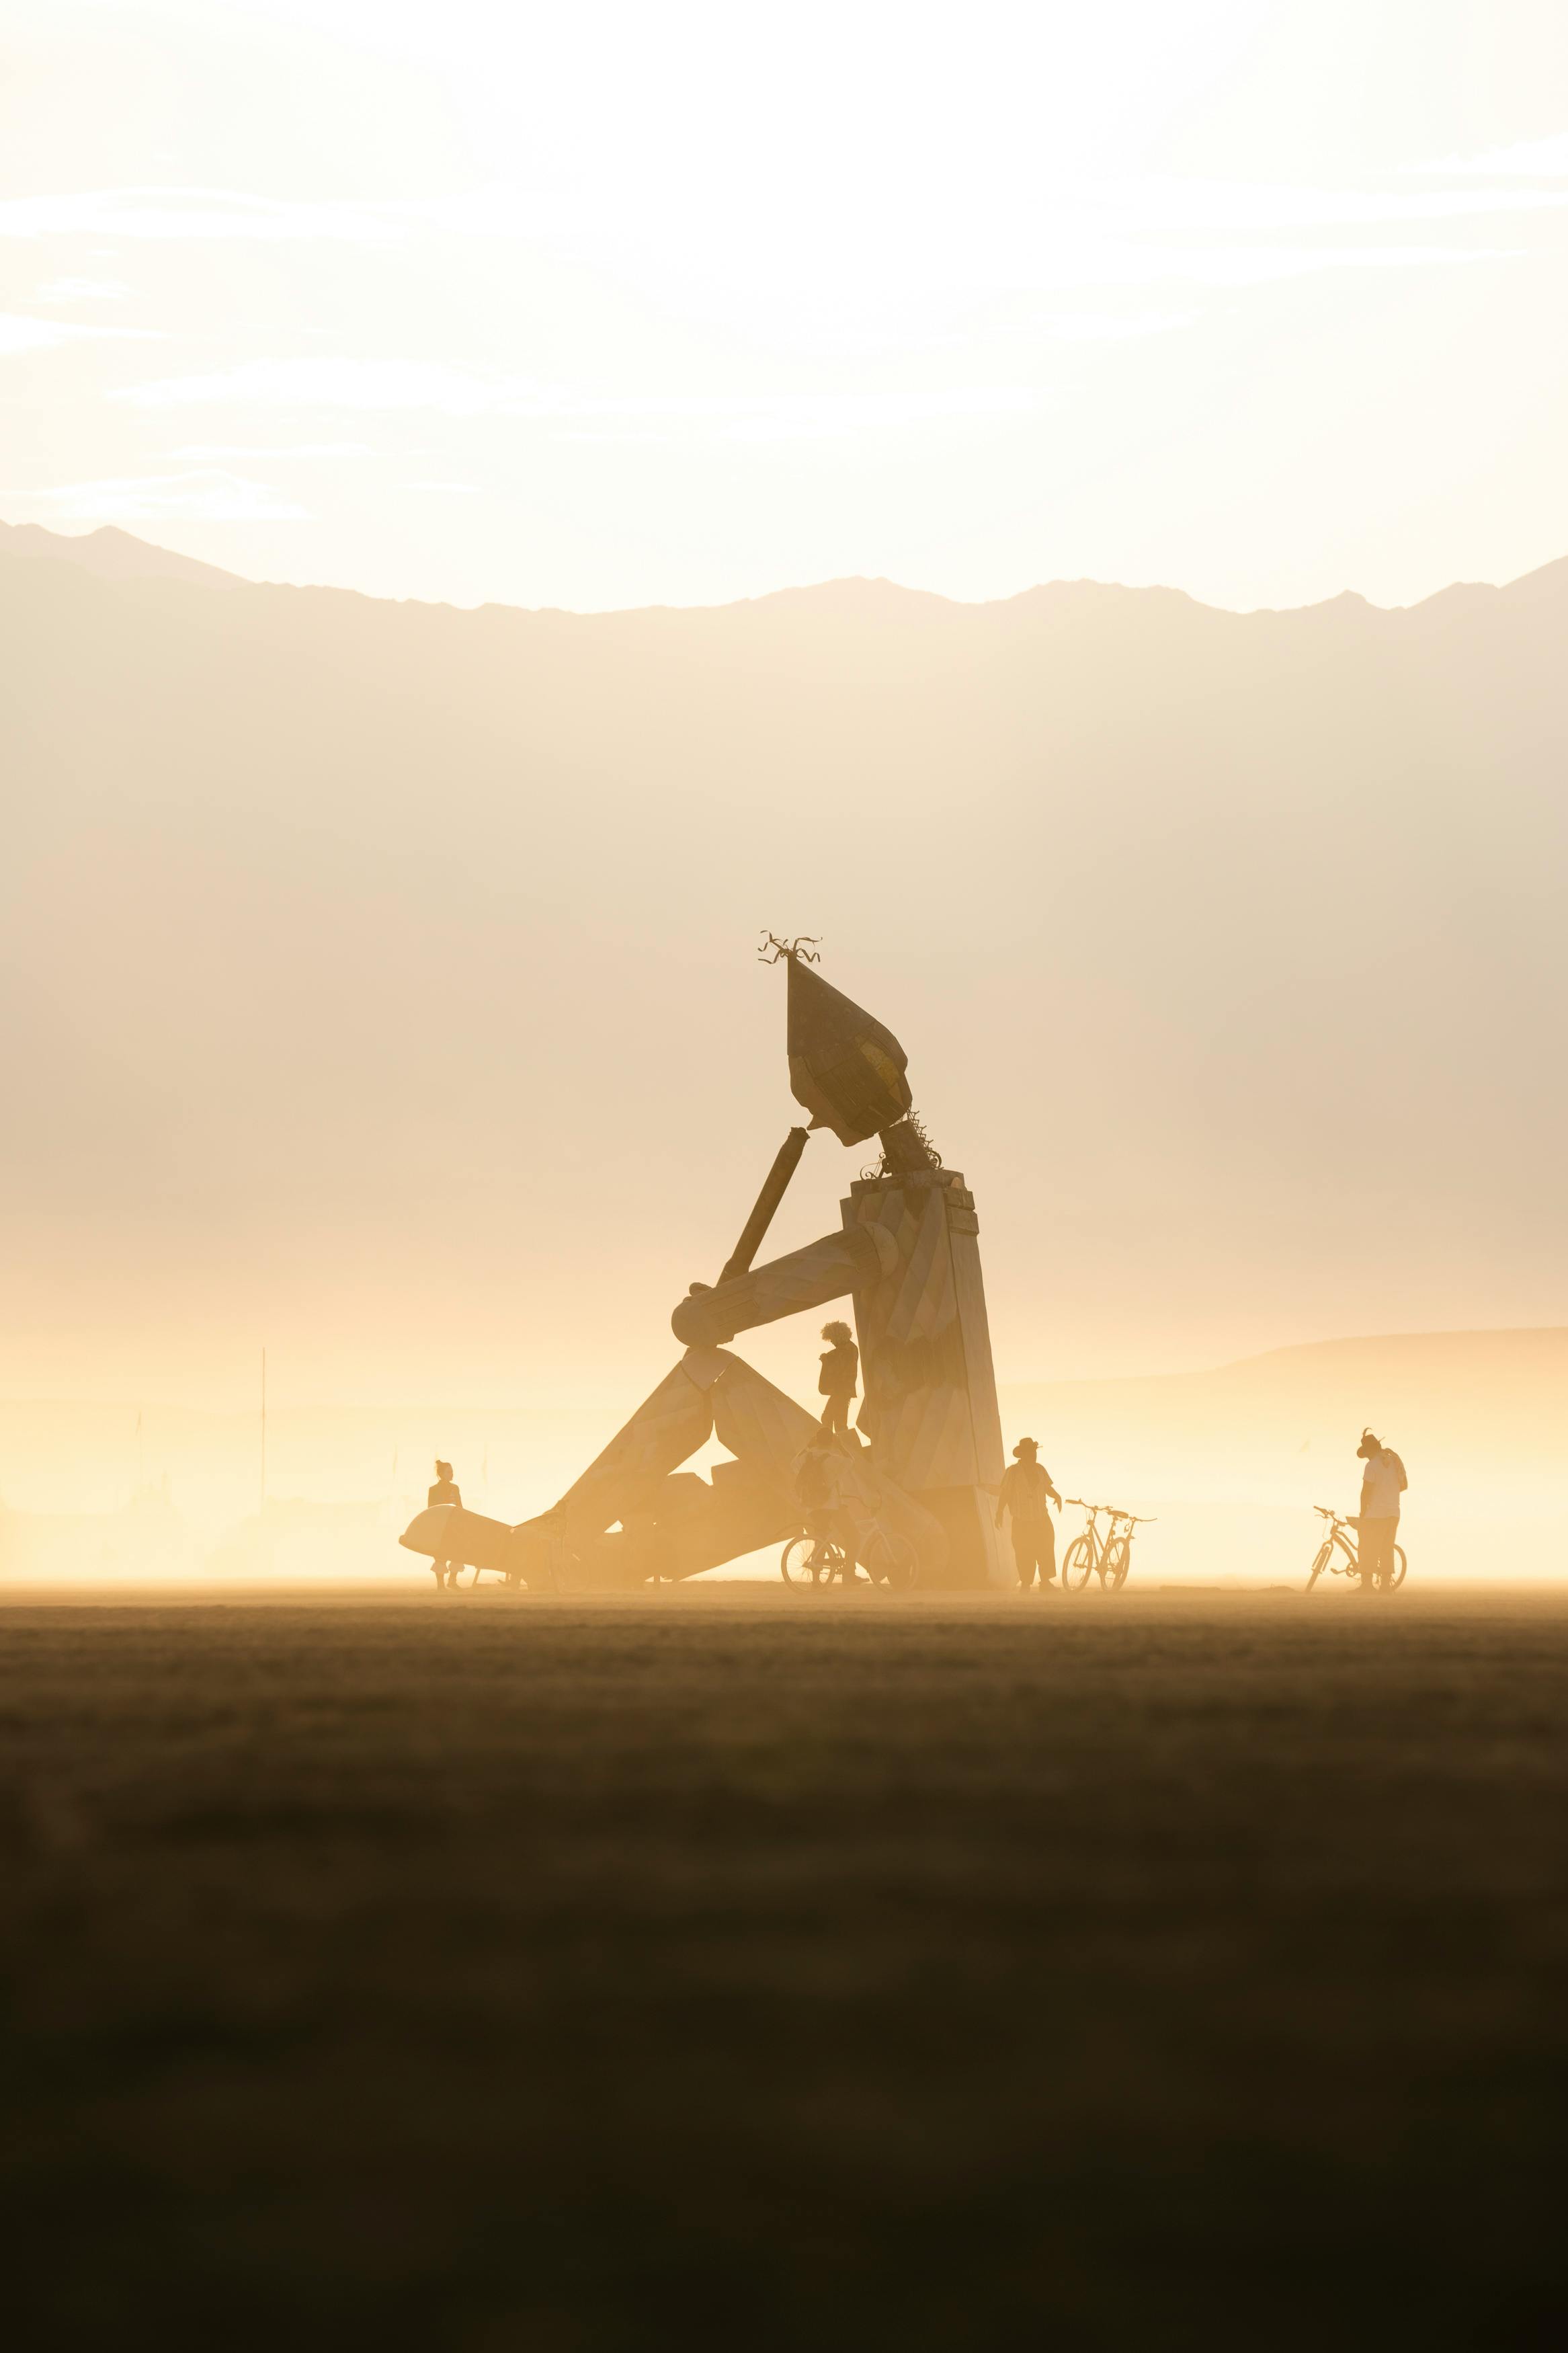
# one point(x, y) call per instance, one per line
point(613, 303)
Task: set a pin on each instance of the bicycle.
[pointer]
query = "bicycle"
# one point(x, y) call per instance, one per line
point(810, 1561)
point(1341, 1539)
point(888, 1559)
point(1089, 1553)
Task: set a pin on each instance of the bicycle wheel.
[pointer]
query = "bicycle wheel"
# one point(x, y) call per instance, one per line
point(1395, 1577)
point(1115, 1564)
point(891, 1560)
point(1325, 1553)
point(1077, 1562)
point(806, 1562)
point(553, 1569)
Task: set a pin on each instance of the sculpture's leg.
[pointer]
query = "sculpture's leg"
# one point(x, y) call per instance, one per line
point(689, 1526)
point(757, 1422)
point(679, 1525)
point(665, 1428)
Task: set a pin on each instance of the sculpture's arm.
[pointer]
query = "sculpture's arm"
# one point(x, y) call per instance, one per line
point(806, 1278)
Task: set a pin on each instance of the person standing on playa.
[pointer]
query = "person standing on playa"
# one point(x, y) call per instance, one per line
point(1383, 1482)
point(840, 1377)
point(445, 1491)
point(1026, 1495)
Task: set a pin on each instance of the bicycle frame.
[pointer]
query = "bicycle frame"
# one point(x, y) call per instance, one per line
point(1341, 1534)
point(1341, 1537)
point(1098, 1545)
point(1107, 1557)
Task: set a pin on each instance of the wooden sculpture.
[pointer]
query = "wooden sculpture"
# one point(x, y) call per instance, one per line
point(907, 1256)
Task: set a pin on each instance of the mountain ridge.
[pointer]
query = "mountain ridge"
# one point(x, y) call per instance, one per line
point(109, 553)
point(356, 952)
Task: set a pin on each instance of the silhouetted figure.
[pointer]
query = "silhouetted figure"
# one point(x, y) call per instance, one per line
point(1382, 1484)
point(819, 1491)
point(840, 1377)
point(445, 1491)
point(1026, 1497)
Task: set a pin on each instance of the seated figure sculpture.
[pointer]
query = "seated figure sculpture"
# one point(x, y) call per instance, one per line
point(906, 1254)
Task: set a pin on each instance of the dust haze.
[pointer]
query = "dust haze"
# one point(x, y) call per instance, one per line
point(379, 990)
point(541, 1802)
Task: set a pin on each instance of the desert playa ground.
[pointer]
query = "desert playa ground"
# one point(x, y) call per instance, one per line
point(1171, 1969)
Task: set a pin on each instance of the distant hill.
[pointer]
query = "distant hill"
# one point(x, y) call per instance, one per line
point(1468, 1400)
point(114, 555)
point(1232, 1460)
point(110, 553)
point(379, 974)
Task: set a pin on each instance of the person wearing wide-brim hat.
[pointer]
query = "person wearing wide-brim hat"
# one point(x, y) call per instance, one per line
point(1026, 1495)
point(1383, 1483)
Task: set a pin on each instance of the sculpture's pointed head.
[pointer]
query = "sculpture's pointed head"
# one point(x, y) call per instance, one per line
point(843, 1066)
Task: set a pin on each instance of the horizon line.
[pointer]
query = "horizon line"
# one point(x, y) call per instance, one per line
point(117, 532)
point(1071, 1380)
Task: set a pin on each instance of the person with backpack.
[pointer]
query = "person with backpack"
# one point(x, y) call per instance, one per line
point(1383, 1483)
point(818, 1483)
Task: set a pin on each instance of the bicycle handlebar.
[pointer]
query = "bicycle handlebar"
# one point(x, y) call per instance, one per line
point(1114, 1510)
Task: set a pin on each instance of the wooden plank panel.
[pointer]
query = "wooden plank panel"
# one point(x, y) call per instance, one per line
point(979, 1372)
point(942, 1452)
point(669, 1425)
point(828, 1269)
point(757, 1421)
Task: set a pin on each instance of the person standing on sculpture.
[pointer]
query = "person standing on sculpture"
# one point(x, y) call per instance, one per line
point(840, 1377)
point(445, 1491)
point(1026, 1497)
point(1383, 1482)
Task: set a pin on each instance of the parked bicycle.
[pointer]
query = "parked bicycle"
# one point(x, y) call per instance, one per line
point(888, 1557)
point(1108, 1557)
point(812, 1561)
point(1337, 1555)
